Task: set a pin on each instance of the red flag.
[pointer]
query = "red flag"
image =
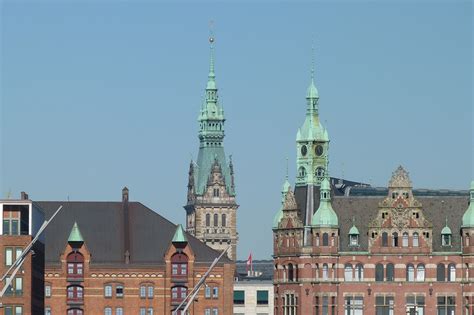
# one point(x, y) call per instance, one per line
point(249, 262)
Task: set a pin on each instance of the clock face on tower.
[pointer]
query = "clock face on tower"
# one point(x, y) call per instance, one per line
point(319, 150)
point(304, 150)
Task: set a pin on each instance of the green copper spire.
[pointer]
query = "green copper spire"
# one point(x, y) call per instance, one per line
point(446, 229)
point(75, 235)
point(468, 217)
point(211, 134)
point(179, 235)
point(325, 216)
point(312, 141)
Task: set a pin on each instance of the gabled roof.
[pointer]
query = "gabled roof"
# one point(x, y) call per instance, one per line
point(102, 229)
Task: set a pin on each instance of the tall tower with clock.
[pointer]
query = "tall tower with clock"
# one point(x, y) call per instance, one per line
point(312, 143)
point(211, 209)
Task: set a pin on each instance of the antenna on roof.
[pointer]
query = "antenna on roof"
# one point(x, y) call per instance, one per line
point(9, 193)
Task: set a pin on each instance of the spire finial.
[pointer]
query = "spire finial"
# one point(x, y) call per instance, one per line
point(211, 45)
point(286, 168)
point(312, 61)
point(353, 220)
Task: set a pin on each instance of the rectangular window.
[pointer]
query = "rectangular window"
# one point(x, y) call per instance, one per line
point(384, 305)
point(354, 305)
point(207, 292)
point(184, 269)
point(215, 311)
point(108, 291)
point(15, 230)
point(215, 292)
point(119, 291)
point(150, 311)
point(262, 297)
point(415, 304)
point(150, 292)
point(446, 305)
point(9, 291)
point(142, 311)
point(142, 291)
point(174, 269)
point(18, 251)
point(119, 311)
point(8, 256)
point(18, 286)
point(47, 310)
point(239, 297)
point(47, 290)
point(18, 310)
point(207, 311)
point(6, 229)
point(108, 311)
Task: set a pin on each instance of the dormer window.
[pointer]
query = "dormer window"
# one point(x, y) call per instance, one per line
point(446, 235)
point(216, 192)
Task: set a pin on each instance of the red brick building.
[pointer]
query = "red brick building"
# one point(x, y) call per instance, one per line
point(21, 220)
point(124, 258)
point(353, 249)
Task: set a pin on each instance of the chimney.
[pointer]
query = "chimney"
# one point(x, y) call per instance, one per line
point(125, 194)
point(24, 196)
point(126, 226)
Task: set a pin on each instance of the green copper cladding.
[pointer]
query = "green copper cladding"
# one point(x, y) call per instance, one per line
point(179, 235)
point(468, 217)
point(211, 134)
point(75, 235)
point(325, 216)
point(312, 142)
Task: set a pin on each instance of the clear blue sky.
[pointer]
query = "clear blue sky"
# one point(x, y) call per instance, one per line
point(101, 94)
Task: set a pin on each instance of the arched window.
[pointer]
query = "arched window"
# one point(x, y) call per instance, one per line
point(75, 293)
point(440, 272)
point(395, 239)
point(325, 239)
point(390, 272)
point(405, 239)
point(291, 273)
point(384, 239)
point(325, 272)
point(302, 172)
point(75, 265)
point(379, 272)
point(208, 219)
point(348, 272)
point(415, 240)
point(179, 265)
point(178, 293)
point(224, 220)
point(410, 273)
point(420, 272)
point(359, 272)
point(216, 219)
point(446, 239)
point(452, 272)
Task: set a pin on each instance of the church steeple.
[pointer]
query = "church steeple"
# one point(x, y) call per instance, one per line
point(211, 187)
point(312, 141)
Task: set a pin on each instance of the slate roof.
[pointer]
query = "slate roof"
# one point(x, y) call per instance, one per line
point(102, 228)
point(365, 207)
point(263, 266)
